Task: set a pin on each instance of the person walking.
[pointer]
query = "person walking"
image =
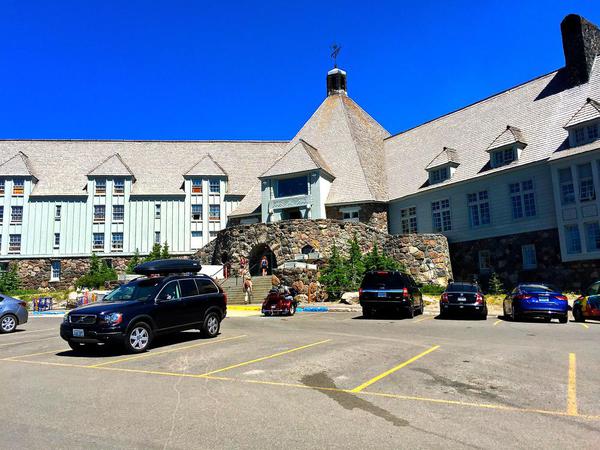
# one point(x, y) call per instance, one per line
point(264, 265)
point(247, 287)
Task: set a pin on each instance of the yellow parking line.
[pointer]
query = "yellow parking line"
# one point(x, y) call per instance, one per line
point(245, 363)
point(10, 358)
point(394, 369)
point(572, 387)
point(424, 318)
point(584, 325)
point(146, 355)
point(497, 322)
point(27, 342)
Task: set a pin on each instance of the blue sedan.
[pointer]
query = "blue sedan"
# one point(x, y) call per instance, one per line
point(536, 300)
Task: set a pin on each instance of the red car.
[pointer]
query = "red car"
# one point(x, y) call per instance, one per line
point(279, 301)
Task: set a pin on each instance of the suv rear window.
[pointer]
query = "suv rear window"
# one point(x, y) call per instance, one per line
point(384, 280)
point(206, 286)
point(461, 287)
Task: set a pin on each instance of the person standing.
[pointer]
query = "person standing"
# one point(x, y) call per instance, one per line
point(247, 287)
point(264, 265)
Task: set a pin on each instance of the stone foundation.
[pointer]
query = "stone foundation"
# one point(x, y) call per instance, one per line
point(507, 261)
point(425, 256)
point(372, 214)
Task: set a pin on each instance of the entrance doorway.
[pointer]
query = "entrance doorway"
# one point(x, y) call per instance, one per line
point(291, 214)
point(256, 256)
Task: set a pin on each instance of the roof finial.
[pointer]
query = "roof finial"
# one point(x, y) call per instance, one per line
point(335, 50)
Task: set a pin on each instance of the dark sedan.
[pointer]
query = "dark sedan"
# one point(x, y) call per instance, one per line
point(536, 300)
point(465, 298)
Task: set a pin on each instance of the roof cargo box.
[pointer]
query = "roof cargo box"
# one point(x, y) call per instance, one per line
point(167, 266)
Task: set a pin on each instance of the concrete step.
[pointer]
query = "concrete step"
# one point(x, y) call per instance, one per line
point(235, 294)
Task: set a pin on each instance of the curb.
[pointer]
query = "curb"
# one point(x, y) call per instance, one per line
point(53, 313)
point(244, 307)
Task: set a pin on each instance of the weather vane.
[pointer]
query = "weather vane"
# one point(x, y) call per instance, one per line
point(335, 50)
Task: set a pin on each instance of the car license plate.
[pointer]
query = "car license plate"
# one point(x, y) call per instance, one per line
point(543, 298)
point(77, 332)
point(462, 299)
point(382, 294)
point(273, 306)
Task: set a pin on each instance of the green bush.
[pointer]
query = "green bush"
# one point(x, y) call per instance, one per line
point(432, 289)
point(9, 280)
point(98, 274)
point(134, 261)
point(495, 285)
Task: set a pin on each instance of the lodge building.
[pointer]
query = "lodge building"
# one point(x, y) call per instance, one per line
point(511, 180)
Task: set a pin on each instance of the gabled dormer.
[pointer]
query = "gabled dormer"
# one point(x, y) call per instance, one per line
point(443, 166)
point(584, 126)
point(18, 172)
point(114, 170)
point(206, 171)
point(507, 147)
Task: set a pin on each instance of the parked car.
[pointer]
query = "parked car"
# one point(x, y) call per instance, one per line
point(390, 291)
point(463, 298)
point(169, 300)
point(279, 301)
point(13, 312)
point(536, 300)
point(588, 305)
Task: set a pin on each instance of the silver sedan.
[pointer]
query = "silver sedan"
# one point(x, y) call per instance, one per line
point(13, 312)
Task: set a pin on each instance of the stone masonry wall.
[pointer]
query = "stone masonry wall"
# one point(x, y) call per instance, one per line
point(426, 256)
point(507, 261)
point(373, 214)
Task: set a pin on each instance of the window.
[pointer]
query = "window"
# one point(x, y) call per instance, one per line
point(440, 212)
point(479, 209)
point(117, 241)
point(157, 237)
point(206, 286)
point(14, 243)
point(100, 187)
point(157, 210)
point(572, 239)
point(2, 186)
point(579, 136)
point(188, 287)
point(18, 186)
point(592, 132)
point(99, 213)
point(119, 186)
point(196, 240)
point(439, 175)
point(592, 236)
point(1, 214)
point(170, 292)
point(196, 213)
point(567, 190)
point(16, 215)
point(289, 187)
point(57, 212)
point(586, 182)
point(196, 186)
point(408, 219)
point(485, 261)
point(522, 199)
point(56, 240)
point(350, 214)
point(118, 213)
point(214, 212)
point(212, 235)
point(55, 271)
point(529, 256)
point(503, 157)
point(214, 186)
point(98, 241)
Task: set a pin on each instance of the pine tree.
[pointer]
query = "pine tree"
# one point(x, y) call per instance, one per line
point(155, 253)
point(355, 265)
point(333, 275)
point(134, 261)
point(164, 254)
point(495, 285)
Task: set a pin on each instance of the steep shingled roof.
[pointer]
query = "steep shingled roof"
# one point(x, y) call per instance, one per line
point(17, 165)
point(62, 166)
point(511, 135)
point(301, 157)
point(446, 156)
point(539, 107)
point(111, 166)
point(207, 166)
point(589, 111)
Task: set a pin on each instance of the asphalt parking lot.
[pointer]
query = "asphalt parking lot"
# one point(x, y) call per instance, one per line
point(316, 380)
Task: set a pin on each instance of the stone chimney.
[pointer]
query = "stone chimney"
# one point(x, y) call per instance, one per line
point(336, 82)
point(581, 44)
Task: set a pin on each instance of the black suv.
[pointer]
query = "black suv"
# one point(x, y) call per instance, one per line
point(134, 313)
point(386, 290)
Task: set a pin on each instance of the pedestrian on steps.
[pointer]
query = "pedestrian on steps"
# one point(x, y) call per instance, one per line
point(247, 288)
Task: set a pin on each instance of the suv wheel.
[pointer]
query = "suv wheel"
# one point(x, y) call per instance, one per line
point(8, 324)
point(138, 338)
point(410, 312)
point(211, 325)
point(564, 319)
point(578, 314)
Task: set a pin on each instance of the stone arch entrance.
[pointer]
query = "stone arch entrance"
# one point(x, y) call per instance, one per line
point(256, 255)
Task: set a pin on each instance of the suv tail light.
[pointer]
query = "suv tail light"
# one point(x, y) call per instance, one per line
point(405, 292)
point(444, 298)
point(23, 304)
point(360, 291)
point(479, 299)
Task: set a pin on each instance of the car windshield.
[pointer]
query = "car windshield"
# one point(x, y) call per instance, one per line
point(461, 287)
point(383, 280)
point(533, 288)
point(136, 291)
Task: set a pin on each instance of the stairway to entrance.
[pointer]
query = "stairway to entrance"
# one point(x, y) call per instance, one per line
point(235, 295)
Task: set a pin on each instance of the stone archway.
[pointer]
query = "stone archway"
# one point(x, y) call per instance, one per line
point(255, 257)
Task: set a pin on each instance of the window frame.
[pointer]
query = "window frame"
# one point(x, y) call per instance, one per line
point(196, 186)
point(120, 190)
point(11, 248)
point(57, 212)
point(199, 214)
point(479, 205)
point(441, 212)
point(100, 187)
point(117, 248)
point(484, 256)
point(94, 246)
point(211, 216)
point(529, 250)
point(200, 238)
point(589, 185)
point(53, 272)
point(157, 210)
point(18, 189)
point(19, 217)
point(586, 228)
point(97, 218)
point(211, 186)
point(408, 220)
point(523, 204)
point(56, 242)
point(121, 214)
point(574, 251)
point(2, 186)
point(157, 237)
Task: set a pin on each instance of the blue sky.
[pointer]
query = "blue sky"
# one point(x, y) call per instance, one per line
point(148, 69)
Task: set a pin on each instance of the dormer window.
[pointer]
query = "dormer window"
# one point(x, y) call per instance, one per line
point(584, 126)
point(439, 175)
point(443, 166)
point(503, 157)
point(507, 147)
point(119, 186)
point(100, 187)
